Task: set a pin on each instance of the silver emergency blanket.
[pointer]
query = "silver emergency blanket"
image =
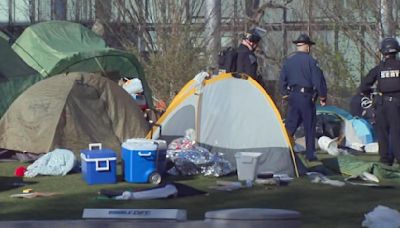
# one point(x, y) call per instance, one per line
point(191, 159)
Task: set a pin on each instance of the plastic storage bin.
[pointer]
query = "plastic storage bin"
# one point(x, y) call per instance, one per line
point(144, 160)
point(99, 165)
point(247, 165)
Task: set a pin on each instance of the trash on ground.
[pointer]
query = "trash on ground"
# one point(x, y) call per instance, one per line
point(316, 177)
point(168, 191)
point(283, 177)
point(28, 190)
point(34, 195)
point(20, 171)
point(162, 191)
point(269, 178)
point(369, 177)
point(366, 179)
point(270, 181)
point(227, 186)
point(381, 217)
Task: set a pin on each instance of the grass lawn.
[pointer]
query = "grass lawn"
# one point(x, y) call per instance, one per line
point(320, 205)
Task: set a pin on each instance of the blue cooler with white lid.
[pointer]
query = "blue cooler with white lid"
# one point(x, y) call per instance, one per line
point(144, 160)
point(99, 165)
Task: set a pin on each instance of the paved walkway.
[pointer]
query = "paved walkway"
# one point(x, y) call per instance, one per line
point(142, 224)
point(100, 224)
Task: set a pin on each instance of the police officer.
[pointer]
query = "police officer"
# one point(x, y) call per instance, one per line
point(246, 59)
point(301, 83)
point(387, 74)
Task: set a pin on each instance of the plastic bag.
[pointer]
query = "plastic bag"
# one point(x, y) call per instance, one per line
point(133, 86)
point(382, 217)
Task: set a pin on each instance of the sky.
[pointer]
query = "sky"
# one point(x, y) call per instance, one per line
point(21, 11)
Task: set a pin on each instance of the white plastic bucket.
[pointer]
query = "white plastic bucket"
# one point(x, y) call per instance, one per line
point(372, 148)
point(329, 145)
point(247, 165)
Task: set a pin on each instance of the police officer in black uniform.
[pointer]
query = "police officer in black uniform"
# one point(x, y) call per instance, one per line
point(246, 59)
point(387, 103)
point(301, 83)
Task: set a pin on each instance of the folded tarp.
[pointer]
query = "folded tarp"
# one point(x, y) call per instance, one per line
point(355, 166)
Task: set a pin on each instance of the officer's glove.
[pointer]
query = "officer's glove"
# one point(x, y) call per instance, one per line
point(285, 99)
point(322, 101)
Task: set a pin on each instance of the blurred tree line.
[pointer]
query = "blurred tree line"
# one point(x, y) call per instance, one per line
point(175, 39)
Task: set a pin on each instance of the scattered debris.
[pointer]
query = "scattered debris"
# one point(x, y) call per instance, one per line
point(269, 181)
point(381, 217)
point(168, 191)
point(366, 179)
point(165, 190)
point(28, 190)
point(34, 195)
point(227, 186)
point(316, 177)
point(20, 171)
point(369, 177)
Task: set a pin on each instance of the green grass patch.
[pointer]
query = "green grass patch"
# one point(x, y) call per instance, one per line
point(320, 205)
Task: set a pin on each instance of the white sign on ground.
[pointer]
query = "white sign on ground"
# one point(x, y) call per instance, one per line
point(172, 214)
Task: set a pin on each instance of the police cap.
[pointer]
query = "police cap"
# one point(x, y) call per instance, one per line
point(252, 36)
point(303, 38)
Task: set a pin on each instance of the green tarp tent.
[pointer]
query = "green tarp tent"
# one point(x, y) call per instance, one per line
point(15, 76)
point(4, 36)
point(56, 47)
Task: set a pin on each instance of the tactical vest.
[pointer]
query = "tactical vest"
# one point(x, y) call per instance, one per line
point(389, 78)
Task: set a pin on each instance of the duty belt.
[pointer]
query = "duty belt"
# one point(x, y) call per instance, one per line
point(390, 99)
point(301, 89)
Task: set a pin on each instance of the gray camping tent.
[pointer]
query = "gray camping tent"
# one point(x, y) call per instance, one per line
point(230, 115)
point(70, 111)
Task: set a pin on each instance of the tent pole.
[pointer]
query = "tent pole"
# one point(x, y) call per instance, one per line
point(100, 66)
point(199, 93)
